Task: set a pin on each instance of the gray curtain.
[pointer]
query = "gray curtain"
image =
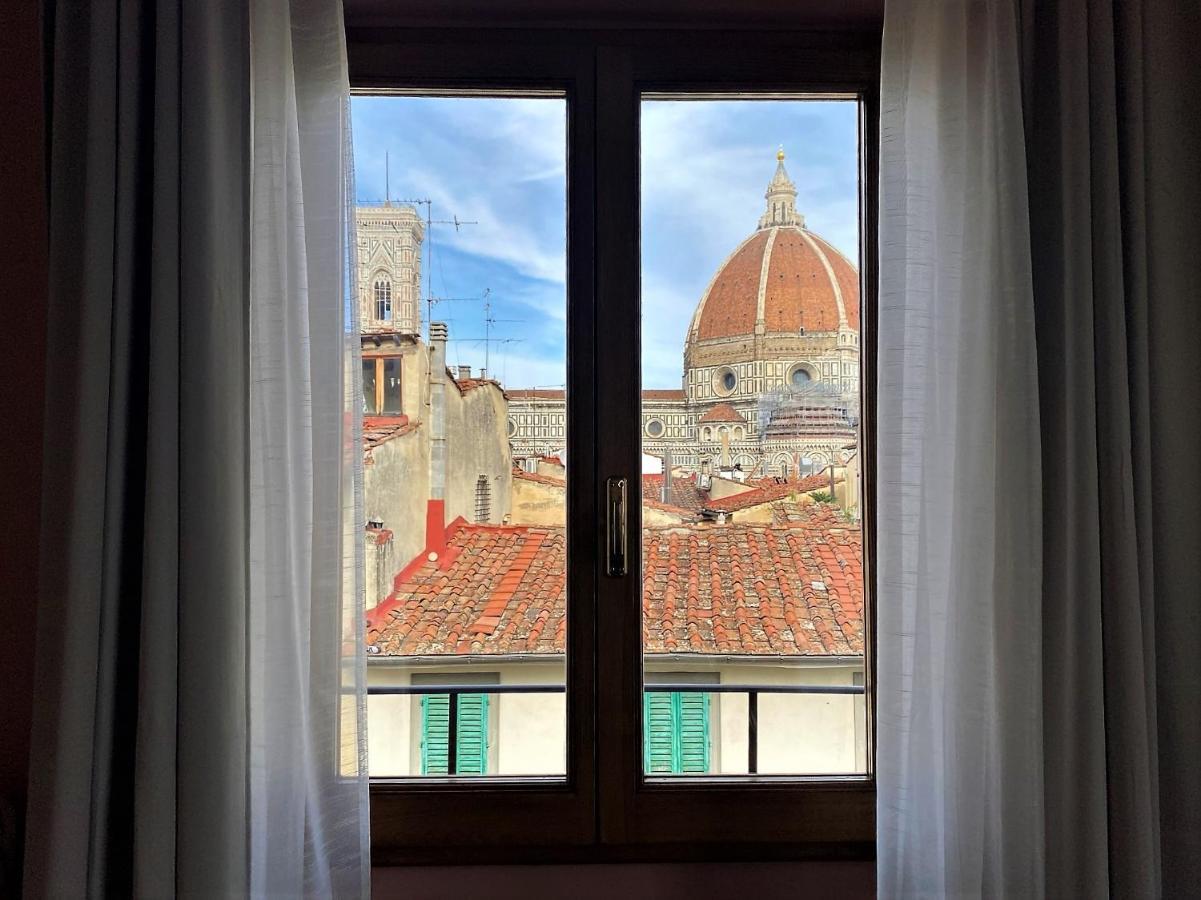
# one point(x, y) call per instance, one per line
point(200, 678)
point(1114, 145)
point(141, 681)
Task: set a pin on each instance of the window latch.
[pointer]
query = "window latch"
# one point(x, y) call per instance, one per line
point(615, 532)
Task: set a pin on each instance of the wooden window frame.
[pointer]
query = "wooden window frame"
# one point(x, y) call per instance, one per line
point(380, 362)
point(605, 809)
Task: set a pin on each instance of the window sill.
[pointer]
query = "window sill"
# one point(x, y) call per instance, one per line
point(807, 821)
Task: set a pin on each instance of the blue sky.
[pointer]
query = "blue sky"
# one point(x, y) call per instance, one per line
point(501, 162)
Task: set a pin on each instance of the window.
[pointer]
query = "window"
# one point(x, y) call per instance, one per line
point(645, 768)
point(383, 300)
point(676, 738)
point(470, 740)
point(382, 386)
point(724, 381)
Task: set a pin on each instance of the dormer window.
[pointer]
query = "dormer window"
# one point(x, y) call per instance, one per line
point(383, 300)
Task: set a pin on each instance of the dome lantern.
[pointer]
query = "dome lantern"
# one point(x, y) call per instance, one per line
point(781, 199)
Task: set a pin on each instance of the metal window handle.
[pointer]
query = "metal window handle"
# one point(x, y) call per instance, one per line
point(615, 527)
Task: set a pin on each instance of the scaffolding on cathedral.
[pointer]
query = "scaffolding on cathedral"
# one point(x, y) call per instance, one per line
point(813, 409)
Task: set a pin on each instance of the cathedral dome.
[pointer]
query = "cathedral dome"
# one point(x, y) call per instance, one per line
point(782, 280)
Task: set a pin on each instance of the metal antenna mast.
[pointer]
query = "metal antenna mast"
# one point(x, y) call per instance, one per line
point(489, 320)
point(429, 245)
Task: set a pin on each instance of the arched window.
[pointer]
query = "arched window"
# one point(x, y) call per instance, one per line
point(383, 300)
point(800, 377)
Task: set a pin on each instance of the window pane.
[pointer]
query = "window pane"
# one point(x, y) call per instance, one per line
point(752, 554)
point(369, 387)
point(462, 285)
point(392, 387)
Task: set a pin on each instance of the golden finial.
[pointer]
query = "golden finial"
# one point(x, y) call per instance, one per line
point(780, 153)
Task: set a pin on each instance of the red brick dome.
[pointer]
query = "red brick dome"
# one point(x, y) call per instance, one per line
point(786, 280)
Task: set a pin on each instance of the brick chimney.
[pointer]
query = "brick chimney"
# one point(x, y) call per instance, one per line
point(464, 373)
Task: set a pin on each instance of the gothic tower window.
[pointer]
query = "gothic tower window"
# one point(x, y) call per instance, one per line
point(383, 300)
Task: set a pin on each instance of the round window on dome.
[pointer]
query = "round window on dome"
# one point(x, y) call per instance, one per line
point(654, 428)
point(512, 428)
point(799, 377)
point(724, 381)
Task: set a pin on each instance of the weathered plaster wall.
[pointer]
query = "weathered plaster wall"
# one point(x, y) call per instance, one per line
point(396, 472)
point(536, 503)
point(477, 444)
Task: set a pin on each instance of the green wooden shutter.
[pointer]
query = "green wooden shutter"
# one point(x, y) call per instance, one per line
point(473, 734)
point(675, 732)
point(692, 731)
point(658, 725)
point(435, 733)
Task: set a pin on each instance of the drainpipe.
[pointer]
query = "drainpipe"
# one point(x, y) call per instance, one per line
point(435, 516)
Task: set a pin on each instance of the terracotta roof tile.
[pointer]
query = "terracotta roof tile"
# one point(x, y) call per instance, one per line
point(723, 412)
point(738, 589)
point(378, 429)
point(684, 492)
point(767, 491)
point(663, 394)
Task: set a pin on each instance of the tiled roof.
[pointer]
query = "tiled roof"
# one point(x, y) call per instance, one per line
point(377, 429)
point(536, 394)
point(470, 384)
point(767, 491)
point(723, 412)
point(795, 280)
point(552, 394)
point(684, 492)
point(521, 473)
point(649, 497)
point(738, 590)
point(663, 394)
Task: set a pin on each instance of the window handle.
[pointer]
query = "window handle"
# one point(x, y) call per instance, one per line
point(615, 531)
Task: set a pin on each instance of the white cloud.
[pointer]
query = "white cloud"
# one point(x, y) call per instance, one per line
point(501, 163)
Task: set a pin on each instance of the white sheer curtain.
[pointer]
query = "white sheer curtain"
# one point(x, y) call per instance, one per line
point(306, 704)
point(959, 611)
point(199, 725)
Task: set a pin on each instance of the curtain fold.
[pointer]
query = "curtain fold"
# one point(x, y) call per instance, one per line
point(1039, 724)
point(199, 725)
point(959, 777)
point(1110, 91)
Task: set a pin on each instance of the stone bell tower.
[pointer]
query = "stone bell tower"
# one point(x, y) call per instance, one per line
point(389, 268)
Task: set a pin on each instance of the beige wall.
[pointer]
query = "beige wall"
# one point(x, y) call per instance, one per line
point(798, 734)
point(536, 503)
point(477, 444)
point(726, 487)
point(396, 472)
point(527, 732)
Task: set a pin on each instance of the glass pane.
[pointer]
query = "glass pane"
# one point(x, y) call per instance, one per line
point(462, 277)
point(391, 386)
point(369, 387)
point(752, 553)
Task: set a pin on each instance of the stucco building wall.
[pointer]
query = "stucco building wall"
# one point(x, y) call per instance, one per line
point(397, 471)
point(797, 734)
